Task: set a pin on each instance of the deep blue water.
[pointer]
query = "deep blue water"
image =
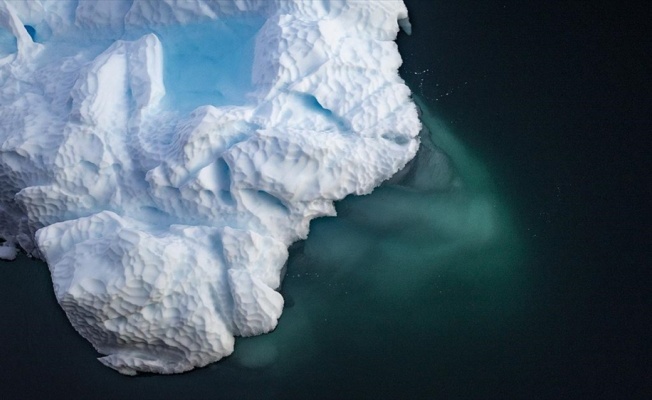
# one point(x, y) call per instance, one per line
point(529, 283)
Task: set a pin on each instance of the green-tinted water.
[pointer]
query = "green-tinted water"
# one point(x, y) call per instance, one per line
point(388, 297)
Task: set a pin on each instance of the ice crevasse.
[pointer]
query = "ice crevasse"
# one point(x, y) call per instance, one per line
point(161, 156)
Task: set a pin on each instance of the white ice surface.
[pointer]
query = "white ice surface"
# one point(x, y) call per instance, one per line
point(161, 155)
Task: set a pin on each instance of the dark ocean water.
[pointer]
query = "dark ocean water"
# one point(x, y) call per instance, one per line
point(530, 282)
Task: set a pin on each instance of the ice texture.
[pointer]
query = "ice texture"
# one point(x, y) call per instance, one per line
point(161, 156)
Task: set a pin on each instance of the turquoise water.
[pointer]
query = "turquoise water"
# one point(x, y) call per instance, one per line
point(513, 272)
point(394, 287)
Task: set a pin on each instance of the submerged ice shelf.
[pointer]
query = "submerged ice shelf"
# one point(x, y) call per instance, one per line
point(161, 156)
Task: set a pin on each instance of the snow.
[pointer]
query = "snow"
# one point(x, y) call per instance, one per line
point(162, 155)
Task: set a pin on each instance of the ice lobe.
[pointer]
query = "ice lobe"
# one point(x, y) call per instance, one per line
point(166, 230)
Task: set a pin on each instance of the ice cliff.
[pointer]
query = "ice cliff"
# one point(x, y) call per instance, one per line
point(161, 156)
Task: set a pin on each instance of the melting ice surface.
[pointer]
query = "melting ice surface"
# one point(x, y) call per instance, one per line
point(162, 155)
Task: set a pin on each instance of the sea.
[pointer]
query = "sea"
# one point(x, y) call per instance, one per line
point(526, 279)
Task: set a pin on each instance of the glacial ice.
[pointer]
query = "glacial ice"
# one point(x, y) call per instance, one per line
point(161, 156)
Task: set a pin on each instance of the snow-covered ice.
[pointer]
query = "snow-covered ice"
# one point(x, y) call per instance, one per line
point(161, 156)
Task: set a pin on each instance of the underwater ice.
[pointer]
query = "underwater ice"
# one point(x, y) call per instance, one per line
point(162, 155)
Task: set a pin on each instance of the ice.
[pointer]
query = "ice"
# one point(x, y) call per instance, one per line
point(7, 252)
point(162, 155)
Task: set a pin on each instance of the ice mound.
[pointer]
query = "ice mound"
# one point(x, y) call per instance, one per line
point(161, 156)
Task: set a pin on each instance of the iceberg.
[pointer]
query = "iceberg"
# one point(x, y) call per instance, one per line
point(161, 156)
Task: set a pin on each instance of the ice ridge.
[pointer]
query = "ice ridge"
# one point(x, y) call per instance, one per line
point(161, 156)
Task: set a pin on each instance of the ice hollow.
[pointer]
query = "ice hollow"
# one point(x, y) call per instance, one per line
point(161, 156)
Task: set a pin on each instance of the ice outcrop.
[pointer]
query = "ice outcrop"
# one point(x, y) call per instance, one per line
point(161, 156)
